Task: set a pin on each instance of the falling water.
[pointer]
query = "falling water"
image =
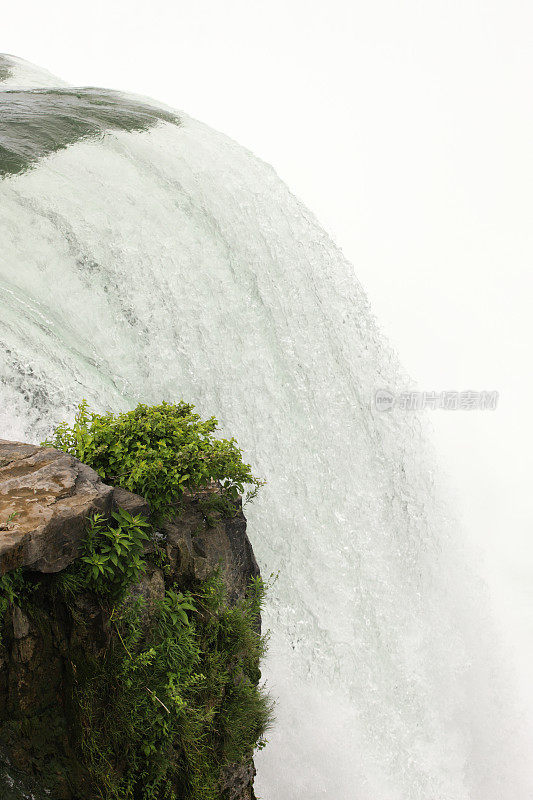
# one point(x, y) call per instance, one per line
point(145, 257)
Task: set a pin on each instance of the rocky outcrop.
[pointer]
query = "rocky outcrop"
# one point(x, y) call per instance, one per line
point(45, 499)
point(195, 549)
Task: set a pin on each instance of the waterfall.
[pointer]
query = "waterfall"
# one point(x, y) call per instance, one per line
point(146, 257)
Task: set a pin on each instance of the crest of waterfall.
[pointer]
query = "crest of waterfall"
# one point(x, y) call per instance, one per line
point(146, 257)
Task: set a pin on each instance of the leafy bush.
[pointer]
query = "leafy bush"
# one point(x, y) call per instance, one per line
point(112, 558)
point(157, 452)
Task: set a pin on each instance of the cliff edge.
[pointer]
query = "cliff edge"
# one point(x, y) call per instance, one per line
point(74, 661)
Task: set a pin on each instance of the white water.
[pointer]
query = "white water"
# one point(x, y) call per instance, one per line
point(25, 75)
point(174, 264)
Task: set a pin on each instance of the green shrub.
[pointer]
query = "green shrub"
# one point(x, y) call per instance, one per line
point(111, 558)
point(157, 452)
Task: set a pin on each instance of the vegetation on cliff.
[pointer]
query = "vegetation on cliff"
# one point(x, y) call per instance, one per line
point(161, 668)
point(156, 451)
point(163, 711)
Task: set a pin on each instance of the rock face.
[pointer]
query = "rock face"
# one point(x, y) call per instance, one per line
point(52, 494)
point(45, 498)
point(196, 550)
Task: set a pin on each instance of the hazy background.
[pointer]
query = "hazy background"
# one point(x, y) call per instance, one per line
point(407, 128)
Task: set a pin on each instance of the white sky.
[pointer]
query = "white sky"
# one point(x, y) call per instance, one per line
point(407, 128)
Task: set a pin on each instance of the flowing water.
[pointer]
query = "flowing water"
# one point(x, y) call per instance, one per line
point(145, 257)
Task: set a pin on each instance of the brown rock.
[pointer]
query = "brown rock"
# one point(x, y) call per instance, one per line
point(133, 503)
point(51, 494)
point(21, 623)
point(26, 649)
point(237, 781)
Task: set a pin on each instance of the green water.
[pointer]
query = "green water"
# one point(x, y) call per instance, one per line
point(36, 123)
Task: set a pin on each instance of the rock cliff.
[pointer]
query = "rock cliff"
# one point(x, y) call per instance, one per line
point(46, 498)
